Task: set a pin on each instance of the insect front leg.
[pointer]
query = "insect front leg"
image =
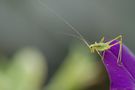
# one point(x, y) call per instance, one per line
point(99, 54)
point(103, 55)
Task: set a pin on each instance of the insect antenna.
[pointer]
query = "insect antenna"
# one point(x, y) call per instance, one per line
point(67, 23)
point(72, 35)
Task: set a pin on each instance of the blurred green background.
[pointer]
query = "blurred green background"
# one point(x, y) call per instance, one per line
point(55, 60)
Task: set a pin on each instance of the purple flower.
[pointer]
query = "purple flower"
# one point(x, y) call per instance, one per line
point(122, 77)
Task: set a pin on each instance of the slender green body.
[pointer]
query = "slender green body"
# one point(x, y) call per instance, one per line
point(103, 46)
point(99, 46)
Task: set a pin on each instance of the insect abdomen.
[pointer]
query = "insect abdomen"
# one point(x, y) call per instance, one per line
point(102, 46)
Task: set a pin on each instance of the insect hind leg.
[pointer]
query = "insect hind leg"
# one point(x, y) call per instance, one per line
point(117, 38)
point(120, 51)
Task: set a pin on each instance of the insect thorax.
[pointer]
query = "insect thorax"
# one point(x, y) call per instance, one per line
point(100, 46)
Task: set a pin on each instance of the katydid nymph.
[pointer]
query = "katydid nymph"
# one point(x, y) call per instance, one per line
point(98, 47)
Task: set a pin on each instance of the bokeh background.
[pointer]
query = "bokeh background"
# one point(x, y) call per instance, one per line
point(34, 24)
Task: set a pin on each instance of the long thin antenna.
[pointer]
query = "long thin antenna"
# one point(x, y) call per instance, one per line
point(72, 35)
point(66, 22)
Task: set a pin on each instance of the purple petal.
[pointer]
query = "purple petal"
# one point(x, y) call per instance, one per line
point(122, 77)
